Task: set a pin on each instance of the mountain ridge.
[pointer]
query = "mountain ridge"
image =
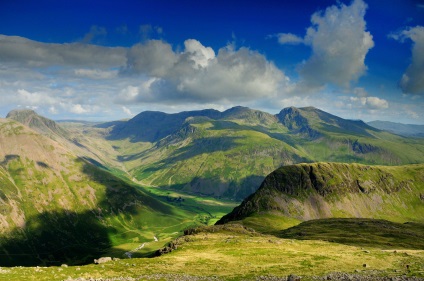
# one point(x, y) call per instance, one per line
point(325, 190)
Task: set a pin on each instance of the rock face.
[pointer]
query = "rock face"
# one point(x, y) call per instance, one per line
point(292, 118)
point(324, 190)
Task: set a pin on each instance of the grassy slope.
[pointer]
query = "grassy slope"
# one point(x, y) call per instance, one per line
point(322, 190)
point(62, 208)
point(229, 156)
point(219, 158)
point(234, 253)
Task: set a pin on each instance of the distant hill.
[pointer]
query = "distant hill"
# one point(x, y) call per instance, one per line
point(334, 190)
point(228, 154)
point(408, 130)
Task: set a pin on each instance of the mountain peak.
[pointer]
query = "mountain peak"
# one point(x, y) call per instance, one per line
point(20, 114)
point(36, 122)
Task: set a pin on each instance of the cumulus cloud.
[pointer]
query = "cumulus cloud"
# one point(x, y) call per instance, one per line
point(65, 77)
point(412, 80)
point(198, 74)
point(362, 100)
point(373, 103)
point(153, 58)
point(339, 42)
point(289, 38)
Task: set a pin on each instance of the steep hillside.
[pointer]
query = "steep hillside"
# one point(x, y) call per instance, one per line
point(228, 154)
point(56, 207)
point(324, 190)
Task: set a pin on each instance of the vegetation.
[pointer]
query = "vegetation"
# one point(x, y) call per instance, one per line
point(57, 207)
point(228, 154)
point(235, 253)
point(127, 188)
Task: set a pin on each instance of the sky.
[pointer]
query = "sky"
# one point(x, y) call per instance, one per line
point(110, 60)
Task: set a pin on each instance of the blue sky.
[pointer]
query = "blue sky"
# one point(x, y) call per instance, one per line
point(107, 60)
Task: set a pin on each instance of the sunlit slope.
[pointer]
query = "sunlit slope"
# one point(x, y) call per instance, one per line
point(231, 252)
point(327, 190)
point(56, 207)
point(228, 154)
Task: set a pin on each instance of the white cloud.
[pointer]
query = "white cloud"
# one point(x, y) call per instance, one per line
point(199, 54)
point(78, 108)
point(412, 80)
point(373, 103)
point(33, 98)
point(339, 42)
point(198, 75)
point(289, 38)
point(96, 73)
point(127, 111)
point(23, 51)
point(376, 103)
point(154, 58)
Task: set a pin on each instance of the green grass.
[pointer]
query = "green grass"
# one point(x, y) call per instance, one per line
point(234, 253)
point(122, 214)
point(368, 233)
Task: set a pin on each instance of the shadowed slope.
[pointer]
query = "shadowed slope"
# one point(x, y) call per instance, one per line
point(56, 207)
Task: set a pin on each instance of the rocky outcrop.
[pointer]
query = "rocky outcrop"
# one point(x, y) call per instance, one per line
point(293, 119)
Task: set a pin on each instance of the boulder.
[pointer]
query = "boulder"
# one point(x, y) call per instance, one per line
point(102, 260)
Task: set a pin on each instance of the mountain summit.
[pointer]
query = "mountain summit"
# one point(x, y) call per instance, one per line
point(37, 122)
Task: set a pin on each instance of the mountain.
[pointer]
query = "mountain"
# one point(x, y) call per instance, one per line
point(89, 144)
point(57, 207)
point(304, 192)
point(228, 154)
point(38, 123)
point(407, 130)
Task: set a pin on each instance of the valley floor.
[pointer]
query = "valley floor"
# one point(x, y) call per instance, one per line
point(232, 252)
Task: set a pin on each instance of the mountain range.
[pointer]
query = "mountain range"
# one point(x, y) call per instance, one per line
point(228, 154)
point(75, 190)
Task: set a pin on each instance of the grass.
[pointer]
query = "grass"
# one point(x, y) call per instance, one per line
point(368, 233)
point(234, 253)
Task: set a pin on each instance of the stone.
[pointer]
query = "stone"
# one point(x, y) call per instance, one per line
point(102, 260)
point(293, 277)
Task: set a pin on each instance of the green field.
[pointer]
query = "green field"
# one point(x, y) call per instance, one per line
point(236, 253)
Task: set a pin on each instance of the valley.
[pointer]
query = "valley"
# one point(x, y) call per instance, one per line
point(74, 191)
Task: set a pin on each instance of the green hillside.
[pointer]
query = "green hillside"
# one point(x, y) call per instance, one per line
point(57, 207)
point(326, 190)
point(228, 154)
